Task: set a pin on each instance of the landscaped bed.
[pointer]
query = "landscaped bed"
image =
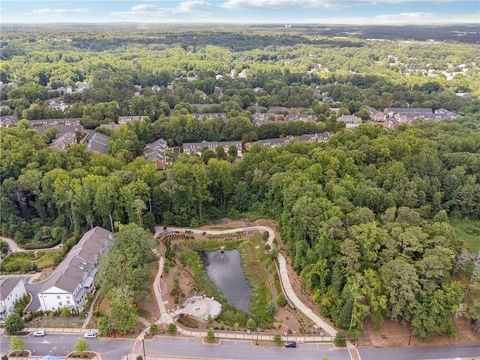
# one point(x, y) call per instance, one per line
point(25, 262)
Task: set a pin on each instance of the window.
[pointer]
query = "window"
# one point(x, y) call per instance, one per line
point(58, 296)
point(68, 302)
point(59, 303)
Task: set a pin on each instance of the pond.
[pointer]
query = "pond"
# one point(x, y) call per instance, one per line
point(226, 271)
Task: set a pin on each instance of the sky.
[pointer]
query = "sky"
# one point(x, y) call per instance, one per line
point(361, 12)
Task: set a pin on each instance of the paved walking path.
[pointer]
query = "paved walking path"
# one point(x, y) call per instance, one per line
point(14, 247)
point(289, 292)
point(90, 311)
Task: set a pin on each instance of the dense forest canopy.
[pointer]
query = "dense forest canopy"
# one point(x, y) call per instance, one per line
point(366, 217)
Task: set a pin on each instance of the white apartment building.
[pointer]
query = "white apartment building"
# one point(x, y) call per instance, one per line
point(11, 290)
point(73, 279)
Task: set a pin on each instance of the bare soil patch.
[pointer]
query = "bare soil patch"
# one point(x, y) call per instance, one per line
point(393, 334)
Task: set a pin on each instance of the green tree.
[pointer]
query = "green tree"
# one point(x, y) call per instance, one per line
point(123, 310)
point(172, 328)
point(278, 339)
point(126, 263)
point(14, 324)
point(251, 324)
point(17, 344)
point(102, 326)
point(435, 313)
point(210, 335)
point(81, 346)
point(402, 288)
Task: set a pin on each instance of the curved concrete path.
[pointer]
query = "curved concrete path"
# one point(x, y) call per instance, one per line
point(14, 247)
point(282, 262)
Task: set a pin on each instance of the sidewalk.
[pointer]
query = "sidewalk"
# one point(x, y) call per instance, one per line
point(242, 335)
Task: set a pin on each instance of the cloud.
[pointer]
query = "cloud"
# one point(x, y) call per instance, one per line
point(325, 4)
point(405, 18)
point(57, 11)
point(150, 11)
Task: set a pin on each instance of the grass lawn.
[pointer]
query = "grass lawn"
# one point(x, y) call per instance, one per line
point(469, 231)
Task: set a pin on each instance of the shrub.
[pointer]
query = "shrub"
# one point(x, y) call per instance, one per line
point(153, 329)
point(270, 308)
point(210, 335)
point(277, 338)
point(102, 326)
point(16, 344)
point(21, 304)
point(281, 301)
point(81, 346)
point(139, 357)
point(273, 254)
point(340, 339)
point(172, 328)
point(14, 324)
point(251, 324)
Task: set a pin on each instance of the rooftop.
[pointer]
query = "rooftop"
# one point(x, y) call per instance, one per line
point(81, 259)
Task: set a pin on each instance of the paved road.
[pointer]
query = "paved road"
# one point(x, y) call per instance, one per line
point(240, 350)
point(115, 349)
point(430, 352)
point(53, 344)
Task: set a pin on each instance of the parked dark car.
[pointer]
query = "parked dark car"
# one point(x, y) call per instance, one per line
point(290, 344)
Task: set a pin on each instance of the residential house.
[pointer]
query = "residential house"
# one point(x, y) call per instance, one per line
point(300, 117)
point(8, 121)
point(12, 289)
point(409, 115)
point(157, 152)
point(66, 121)
point(350, 121)
point(391, 123)
point(98, 143)
point(64, 141)
point(122, 120)
point(196, 148)
point(209, 116)
point(81, 87)
point(110, 126)
point(62, 90)
point(73, 279)
point(281, 114)
point(6, 86)
point(442, 114)
point(61, 129)
point(277, 142)
point(375, 115)
point(57, 104)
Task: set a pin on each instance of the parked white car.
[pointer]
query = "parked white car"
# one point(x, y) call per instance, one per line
point(91, 334)
point(39, 333)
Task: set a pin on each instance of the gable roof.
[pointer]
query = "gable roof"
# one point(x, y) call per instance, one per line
point(79, 262)
point(98, 143)
point(7, 284)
